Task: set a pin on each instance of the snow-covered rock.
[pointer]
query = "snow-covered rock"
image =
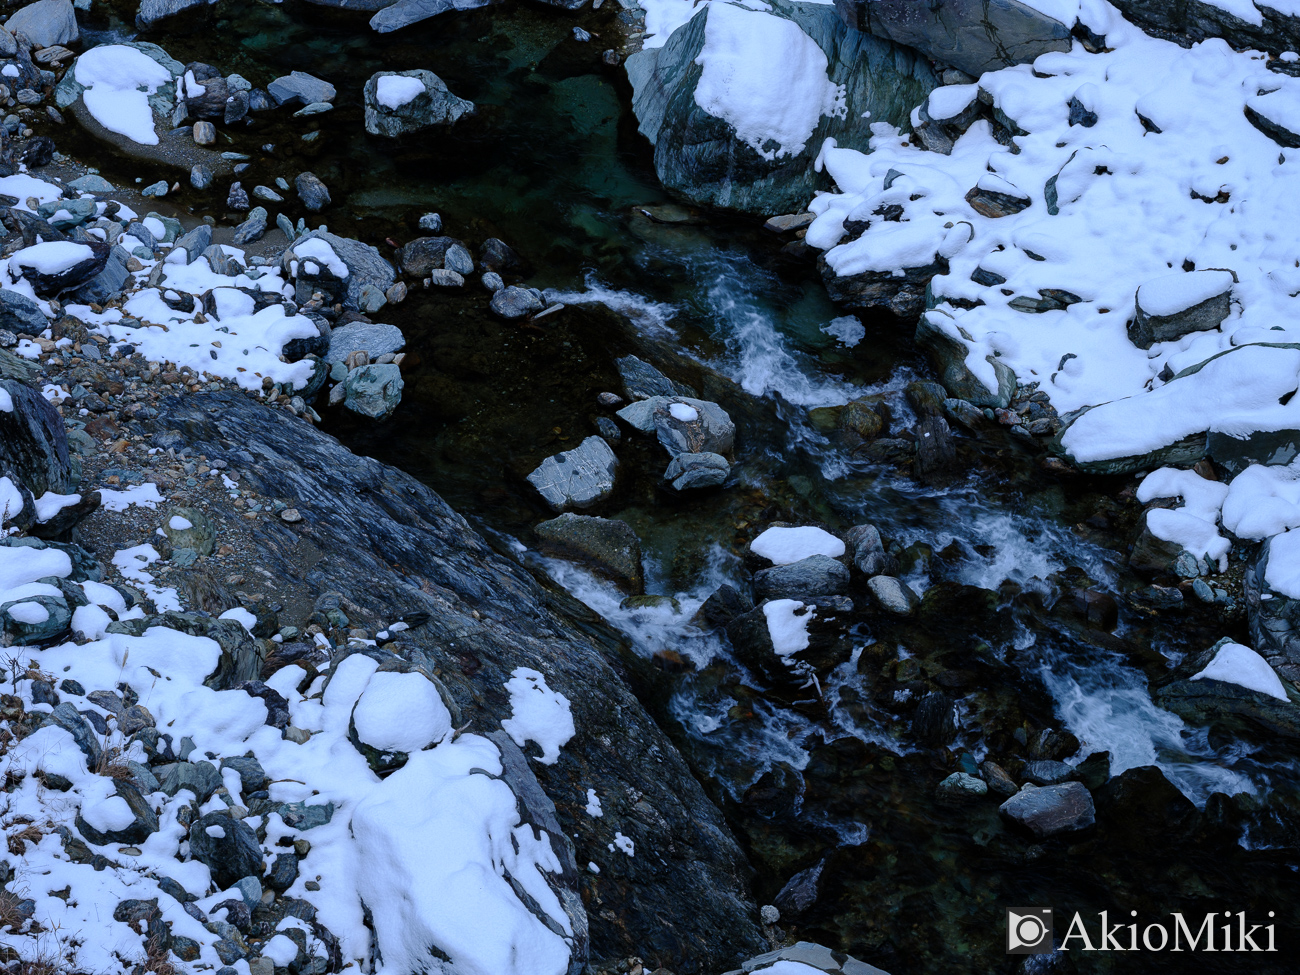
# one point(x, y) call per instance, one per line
point(398, 102)
point(738, 101)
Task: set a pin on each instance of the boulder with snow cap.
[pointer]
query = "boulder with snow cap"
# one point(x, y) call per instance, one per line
point(397, 714)
point(398, 102)
point(340, 267)
point(1272, 29)
point(683, 424)
point(704, 100)
point(55, 266)
point(791, 641)
point(973, 35)
point(1177, 304)
point(941, 338)
point(1237, 692)
point(808, 954)
point(121, 816)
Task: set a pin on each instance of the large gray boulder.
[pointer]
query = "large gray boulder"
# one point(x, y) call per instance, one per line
point(706, 159)
point(577, 478)
point(46, 23)
point(363, 264)
point(398, 102)
point(973, 35)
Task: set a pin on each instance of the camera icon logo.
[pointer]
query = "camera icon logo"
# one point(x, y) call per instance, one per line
point(1029, 931)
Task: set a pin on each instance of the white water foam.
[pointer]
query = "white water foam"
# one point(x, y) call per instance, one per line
point(650, 317)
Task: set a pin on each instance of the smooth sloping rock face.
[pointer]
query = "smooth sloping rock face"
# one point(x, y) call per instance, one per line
point(409, 101)
point(973, 35)
point(610, 545)
point(642, 380)
point(691, 898)
point(939, 337)
point(1051, 810)
point(577, 478)
point(727, 156)
point(46, 23)
point(33, 443)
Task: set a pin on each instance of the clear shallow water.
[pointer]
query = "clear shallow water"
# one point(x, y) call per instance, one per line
point(827, 774)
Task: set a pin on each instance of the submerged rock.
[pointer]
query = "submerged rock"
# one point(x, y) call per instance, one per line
point(611, 546)
point(714, 145)
point(398, 102)
point(300, 88)
point(696, 471)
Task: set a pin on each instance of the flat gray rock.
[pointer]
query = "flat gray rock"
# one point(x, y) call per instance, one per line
point(300, 88)
point(374, 340)
point(577, 478)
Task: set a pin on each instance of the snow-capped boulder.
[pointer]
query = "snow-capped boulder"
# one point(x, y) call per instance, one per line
point(398, 102)
point(1266, 28)
point(1173, 305)
point(340, 267)
point(55, 266)
point(738, 102)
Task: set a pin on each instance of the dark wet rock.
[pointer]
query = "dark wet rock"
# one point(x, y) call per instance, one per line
point(800, 892)
point(1140, 807)
point(611, 546)
point(999, 782)
point(973, 35)
point(577, 478)
point(497, 255)
point(643, 381)
point(432, 106)
point(314, 194)
point(371, 518)
point(48, 284)
point(828, 641)
point(18, 313)
point(143, 823)
point(817, 575)
point(938, 336)
point(228, 847)
point(866, 551)
point(1233, 711)
point(1052, 809)
point(1152, 556)
point(205, 97)
point(511, 303)
point(200, 778)
point(934, 722)
point(700, 158)
point(70, 720)
point(426, 254)
point(1094, 771)
point(33, 442)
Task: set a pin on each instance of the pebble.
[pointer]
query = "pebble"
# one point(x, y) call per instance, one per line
point(431, 222)
point(205, 133)
point(492, 281)
point(268, 194)
point(237, 198)
point(155, 189)
point(442, 278)
point(290, 515)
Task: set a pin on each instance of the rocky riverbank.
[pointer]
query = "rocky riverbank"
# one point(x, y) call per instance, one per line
point(877, 652)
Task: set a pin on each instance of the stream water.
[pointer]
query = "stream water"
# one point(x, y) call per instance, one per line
point(827, 778)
